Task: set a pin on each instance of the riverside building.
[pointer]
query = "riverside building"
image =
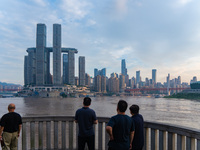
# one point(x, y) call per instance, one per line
point(37, 63)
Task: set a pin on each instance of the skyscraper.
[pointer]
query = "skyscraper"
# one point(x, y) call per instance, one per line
point(65, 68)
point(103, 72)
point(123, 67)
point(26, 70)
point(40, 54)
point(154, 76)
point(82, 70)
point(56, 54)
point(137, 77)
point(71, 68)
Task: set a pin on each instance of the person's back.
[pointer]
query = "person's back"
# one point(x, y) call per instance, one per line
point(10, 122)
point(138, 140)
point(86, 117)
point(120, 129)
point(122, 125)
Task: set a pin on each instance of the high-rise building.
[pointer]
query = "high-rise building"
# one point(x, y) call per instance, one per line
point(168, 81)
point(154, 76)
point(103, 84)
point(123, 67)
point(122, 83)
point(103, 72)
point(82, 70)
point(87, 80)
point(113, 85)
point(26, 70)
point(56, 54)
point(138, 77)
point(97, 85)
point(71, 67)
point(65, 68)
point(40, 54)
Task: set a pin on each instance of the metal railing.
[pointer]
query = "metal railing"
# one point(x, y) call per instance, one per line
point(60, 132)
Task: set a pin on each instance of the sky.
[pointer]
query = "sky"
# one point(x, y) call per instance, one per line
point(155, 34)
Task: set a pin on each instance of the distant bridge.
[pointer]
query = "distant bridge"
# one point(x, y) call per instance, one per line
point(154, 89)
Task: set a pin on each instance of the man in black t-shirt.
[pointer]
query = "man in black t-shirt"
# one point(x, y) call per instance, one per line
point(138, 140)
point(120, 129)
point(11, 124)
point(86, 117)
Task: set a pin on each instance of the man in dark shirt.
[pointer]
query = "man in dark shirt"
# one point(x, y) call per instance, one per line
point(10, 127)
point(138, 140)
point(120, 129)
point(86, 117)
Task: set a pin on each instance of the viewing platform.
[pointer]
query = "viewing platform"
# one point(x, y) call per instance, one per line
point(60, 133)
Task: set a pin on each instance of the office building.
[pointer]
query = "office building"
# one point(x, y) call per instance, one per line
point(154, 76)
point(122, 83)
point(97, 85)
point(38, 61)
point(103, 84)
point(113, 85)
point(123, 67)
point(138, 79)
point(56, 54)
point(65, 68)
point(41, 63)
point(87, 80)
point(26, 70)
point(81, 70)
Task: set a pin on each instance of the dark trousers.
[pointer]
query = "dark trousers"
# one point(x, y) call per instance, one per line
point(83, 140)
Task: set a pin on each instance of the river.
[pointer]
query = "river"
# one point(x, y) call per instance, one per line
point(171, 111)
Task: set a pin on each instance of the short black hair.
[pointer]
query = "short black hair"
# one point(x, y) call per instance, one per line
point(87, 101)
point(122, 105)
point(134, 109)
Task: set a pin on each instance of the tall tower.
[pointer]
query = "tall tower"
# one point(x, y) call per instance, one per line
point(56, 54)
point(65, 68)
point(154, 75)
point(137, 77)
point(82, 70)
point(40, 54)
point(71, 68)
point(25, 70)
point(123, 67)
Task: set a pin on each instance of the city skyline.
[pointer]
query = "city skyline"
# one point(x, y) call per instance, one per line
point(149, 35)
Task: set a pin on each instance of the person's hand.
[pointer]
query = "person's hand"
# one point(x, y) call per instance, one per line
point(0, 137)
point(131, 146)
point(111, 137)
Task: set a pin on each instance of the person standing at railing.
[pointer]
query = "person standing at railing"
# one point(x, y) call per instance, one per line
point(138, 140)
point(86, 117)
point(120, 129)
point(11, 124)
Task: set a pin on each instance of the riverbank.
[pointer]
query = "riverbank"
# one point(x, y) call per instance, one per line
point(193, 96)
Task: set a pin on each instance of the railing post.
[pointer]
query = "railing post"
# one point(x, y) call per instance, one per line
point(183, 142)
point(174, 141)
point(156, 139)
point(165, 140)
point(148, 139)
point(193, 144)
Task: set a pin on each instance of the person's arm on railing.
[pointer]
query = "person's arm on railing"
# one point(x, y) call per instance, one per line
point(20, 126)
point(1, 131)
point(109, 131)
point(95, 122)
point(131, 139)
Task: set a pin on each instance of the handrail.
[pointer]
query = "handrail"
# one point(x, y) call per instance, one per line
point(60, 132)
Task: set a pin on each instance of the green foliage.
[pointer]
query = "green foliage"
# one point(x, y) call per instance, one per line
point(195, 96)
